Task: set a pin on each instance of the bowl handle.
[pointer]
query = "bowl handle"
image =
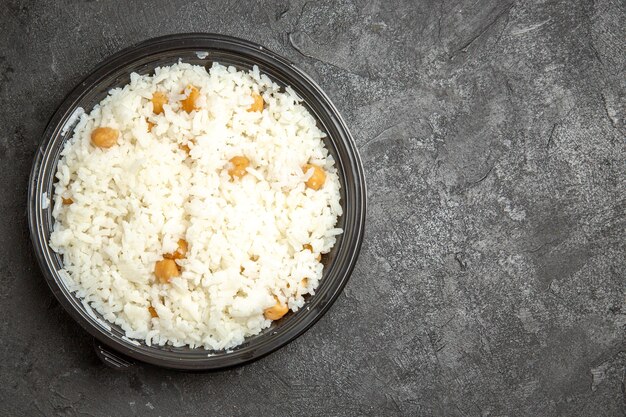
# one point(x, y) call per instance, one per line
point(111, 358)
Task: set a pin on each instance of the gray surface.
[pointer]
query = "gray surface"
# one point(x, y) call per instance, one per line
point(492, 276)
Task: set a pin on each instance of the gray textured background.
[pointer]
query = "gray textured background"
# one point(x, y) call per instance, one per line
point(493, 274)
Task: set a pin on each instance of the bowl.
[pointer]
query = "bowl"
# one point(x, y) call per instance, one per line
point(200, 49)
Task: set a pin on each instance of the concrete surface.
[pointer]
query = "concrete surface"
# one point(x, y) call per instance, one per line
point(492, 278)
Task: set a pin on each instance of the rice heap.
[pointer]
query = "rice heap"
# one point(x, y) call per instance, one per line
point(192, 206)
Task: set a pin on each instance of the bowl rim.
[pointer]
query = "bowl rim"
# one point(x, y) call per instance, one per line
point(154, 46)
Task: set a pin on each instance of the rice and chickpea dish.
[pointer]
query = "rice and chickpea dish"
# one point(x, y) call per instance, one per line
point(192, 207)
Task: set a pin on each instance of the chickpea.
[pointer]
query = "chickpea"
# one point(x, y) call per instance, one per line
point(304, 282)
point(240, 160)
point(276, 311)
point(67, 201)
point(180, 252)
point(153, 312)
point(258, 103)
point(165, 270)
point(104, 137)
point(158, 100)
point(189, 104)
point(317, 179)
point(240, 163)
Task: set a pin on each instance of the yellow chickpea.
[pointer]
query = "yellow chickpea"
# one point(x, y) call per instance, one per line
point(104, 137)
point(258, 103)
point(240, 163)
point(180, 252)
point(153, 312)
point(275, 312)
point(67, 201)
point(189, 104)
point(158, 100)
point(165, 270)
point(317, 179)
point(304, 282)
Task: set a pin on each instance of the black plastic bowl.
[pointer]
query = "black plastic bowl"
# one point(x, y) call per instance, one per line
point(200, 49)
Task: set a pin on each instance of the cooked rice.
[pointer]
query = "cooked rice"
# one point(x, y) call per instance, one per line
point(134, 201)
